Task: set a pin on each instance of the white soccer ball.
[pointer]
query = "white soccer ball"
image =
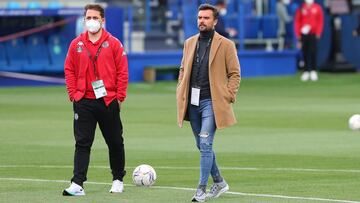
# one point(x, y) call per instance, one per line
point(144, 175)
point(354, 122)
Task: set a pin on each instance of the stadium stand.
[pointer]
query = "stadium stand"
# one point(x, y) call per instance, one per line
point(13, 5)
point(17, 54)
point(57, 48)
point(158, 34)
point(18, 4)
point(261, 31)
point(3, 59)
point(165, 33)
point(39, 58)
point(252, 26)
point(269, 26)
point(269, 30)
point(33, 5)
point(157, 40)
point(54, 5)
point(189, 18)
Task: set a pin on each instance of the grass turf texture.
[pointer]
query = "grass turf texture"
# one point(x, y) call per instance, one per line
point(284, 126)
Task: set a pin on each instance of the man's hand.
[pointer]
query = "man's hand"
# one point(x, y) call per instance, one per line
point(232, 32)
point(355, 33)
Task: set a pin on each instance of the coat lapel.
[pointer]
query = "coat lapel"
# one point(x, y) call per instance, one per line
point(190, 52)
point(214, 47)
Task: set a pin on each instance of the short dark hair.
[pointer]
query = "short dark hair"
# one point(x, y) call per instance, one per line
point(96, 7)
point(209, 7)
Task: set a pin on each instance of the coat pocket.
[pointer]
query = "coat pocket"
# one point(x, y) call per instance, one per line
point(228, 95)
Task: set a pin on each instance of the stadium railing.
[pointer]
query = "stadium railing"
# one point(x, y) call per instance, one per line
point(262, 30)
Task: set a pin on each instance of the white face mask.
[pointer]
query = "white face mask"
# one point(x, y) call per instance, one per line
point(223, 12)
point(286, 2)
point(309, 1)
point(92, 25)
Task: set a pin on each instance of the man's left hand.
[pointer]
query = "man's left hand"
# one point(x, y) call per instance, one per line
point(355, 33)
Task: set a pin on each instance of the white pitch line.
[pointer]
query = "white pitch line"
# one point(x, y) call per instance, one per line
point(192, 189)
point(293, 197)
point(197, 168)
point(266, 169)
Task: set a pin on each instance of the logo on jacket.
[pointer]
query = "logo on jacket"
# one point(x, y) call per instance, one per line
point(79, 48)
point(304, 12)
point(105, 44)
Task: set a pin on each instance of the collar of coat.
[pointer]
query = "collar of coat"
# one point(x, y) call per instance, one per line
point(216, 41)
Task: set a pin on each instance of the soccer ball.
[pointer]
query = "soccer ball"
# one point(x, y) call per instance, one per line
point(144, 175)
point(354, 122)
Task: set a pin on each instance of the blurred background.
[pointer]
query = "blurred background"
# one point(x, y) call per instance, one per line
point(34, 35)
point(292, 143)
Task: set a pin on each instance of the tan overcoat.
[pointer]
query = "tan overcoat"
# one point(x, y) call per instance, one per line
point(224, 79)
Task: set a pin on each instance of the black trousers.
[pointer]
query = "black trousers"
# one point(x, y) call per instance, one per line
point(309, 50)
point(87, 113)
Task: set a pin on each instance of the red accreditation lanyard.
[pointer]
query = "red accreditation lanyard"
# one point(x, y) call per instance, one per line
point(94, 59)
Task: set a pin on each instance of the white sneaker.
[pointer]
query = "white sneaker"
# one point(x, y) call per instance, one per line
point(305, 76)
point(217, 189)
point(117, 187)
point(74, 190)
point(313, 75)
point(199, 196)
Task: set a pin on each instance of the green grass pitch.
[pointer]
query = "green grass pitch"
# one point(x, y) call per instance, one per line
point(291, 144)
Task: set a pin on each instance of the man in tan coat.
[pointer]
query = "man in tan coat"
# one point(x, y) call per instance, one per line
point(209, 79)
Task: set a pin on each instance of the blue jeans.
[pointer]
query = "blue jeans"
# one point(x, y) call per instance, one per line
point(203, 125)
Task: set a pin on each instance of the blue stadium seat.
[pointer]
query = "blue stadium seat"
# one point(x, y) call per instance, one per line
point(13, 5)
point(252, 27)
point(33, 5)
point(270, 26)
point(54, 5)
point(189, 10)
point(231, 6)
point(17, 54)
point(3, 59)
point(57, 48)
point(38, 54)
point(174, 9)
point(232, 21)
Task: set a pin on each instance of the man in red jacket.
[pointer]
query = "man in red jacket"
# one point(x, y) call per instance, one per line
point(309, 24)
point(96, 74)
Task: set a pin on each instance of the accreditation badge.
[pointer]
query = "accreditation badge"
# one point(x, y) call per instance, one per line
point(195, 96)
point(99, 88)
